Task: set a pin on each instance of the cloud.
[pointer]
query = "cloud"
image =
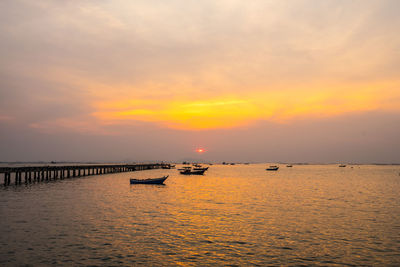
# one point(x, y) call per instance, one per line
point(103, 67)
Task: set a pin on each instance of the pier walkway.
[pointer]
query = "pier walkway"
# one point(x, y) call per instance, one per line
point(42, 173)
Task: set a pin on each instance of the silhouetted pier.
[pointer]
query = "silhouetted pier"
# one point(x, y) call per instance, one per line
point(31, 174)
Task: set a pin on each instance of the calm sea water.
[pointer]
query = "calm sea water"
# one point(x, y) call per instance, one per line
point(236, 215)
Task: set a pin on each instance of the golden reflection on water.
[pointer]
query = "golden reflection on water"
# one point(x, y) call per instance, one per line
point(240, 215)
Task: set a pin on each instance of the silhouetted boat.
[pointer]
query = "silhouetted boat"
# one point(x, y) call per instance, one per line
point(168, 166)
point(189, 171)
point(342, 165)
point(149, 181)
point(272, 168)
point(289, 165)
point(200, 168)
point(185, 168)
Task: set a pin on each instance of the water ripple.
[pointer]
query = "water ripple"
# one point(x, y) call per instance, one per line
point(241, 216)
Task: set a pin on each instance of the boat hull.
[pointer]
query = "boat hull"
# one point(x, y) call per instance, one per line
point(200, 169)
point(194, 172)
point(149, 181)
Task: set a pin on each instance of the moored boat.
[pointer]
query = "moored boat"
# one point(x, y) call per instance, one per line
point(189, 171)
point(149, 181)
point(272, 168)
point(200, 168)
point(185, 168)
point(289, 165)
point(167, 166)
point(342, 165)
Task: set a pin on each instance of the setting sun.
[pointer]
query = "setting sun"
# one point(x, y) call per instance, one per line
point(200, 150)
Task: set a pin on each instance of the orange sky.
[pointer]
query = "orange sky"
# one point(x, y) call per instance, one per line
point(101, 68)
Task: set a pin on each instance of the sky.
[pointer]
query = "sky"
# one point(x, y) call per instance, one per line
point(247, 81)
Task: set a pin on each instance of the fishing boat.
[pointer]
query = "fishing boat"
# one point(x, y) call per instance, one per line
point(342, 165)
point(200, 168)
point(167, 166)
point(289, 165)
point(272, 168)
point(188, 171)
point(149, 181)
point(185, 168)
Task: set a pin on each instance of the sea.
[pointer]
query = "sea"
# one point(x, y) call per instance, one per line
point(234, 215)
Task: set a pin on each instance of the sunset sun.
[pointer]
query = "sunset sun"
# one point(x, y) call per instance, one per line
point(200, 150)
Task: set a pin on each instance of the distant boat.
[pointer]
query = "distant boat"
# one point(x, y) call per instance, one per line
point(342, 165)
point(200, 168)
point(185, 168)
point(189, 171)
point(167, 166)
point(149, 181)
point(272, 168)
point(289, 165)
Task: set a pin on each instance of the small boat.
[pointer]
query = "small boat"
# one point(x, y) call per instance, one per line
point(289, 165)
point(149, 181)
point(200, 168)
point(188, 171)
point(185, 168)
point(272, 168)
point(342, 165)
point(167, 166)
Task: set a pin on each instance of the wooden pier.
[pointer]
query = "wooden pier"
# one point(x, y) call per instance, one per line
point(34, 174)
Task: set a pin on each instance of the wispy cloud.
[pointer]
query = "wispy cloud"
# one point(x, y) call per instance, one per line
point(190, 65)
